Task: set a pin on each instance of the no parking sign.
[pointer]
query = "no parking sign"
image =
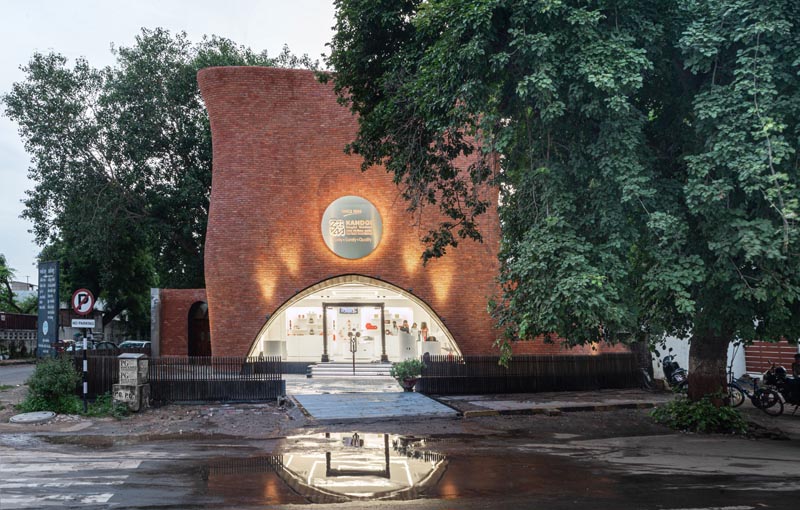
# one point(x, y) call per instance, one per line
point(82, 302)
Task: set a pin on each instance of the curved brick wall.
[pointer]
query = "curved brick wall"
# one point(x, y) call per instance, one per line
point(278, 138)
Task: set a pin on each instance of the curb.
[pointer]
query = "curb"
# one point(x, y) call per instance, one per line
point(557, 411)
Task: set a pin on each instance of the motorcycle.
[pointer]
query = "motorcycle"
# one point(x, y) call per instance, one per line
point(788, 387)
point(676, 376)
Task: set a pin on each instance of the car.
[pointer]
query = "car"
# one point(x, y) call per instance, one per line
point(134, 344)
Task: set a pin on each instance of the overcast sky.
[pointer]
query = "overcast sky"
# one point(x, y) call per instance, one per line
point(87, 28)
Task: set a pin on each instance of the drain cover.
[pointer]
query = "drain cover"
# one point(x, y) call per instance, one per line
point(37, 417)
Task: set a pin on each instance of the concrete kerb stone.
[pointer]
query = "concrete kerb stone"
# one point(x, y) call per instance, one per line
point(556, 411)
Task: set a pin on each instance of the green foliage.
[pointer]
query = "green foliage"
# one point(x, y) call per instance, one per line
point(4, 387)
point(646, 155)
point(700, 416)
point(8, 303)
point(52, 388)
point(407, 369)
point(104, 405)
point(131, 145)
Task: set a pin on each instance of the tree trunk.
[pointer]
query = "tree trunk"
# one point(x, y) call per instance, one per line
point(641, 350)
point(708, 359)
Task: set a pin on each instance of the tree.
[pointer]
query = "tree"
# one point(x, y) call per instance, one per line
point(8, 302)
point(646, 157)
point(121, 158)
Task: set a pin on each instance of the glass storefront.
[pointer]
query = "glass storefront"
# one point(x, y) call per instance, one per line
point(356, 316)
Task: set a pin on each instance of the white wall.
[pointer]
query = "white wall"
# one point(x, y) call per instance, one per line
point(680, 349)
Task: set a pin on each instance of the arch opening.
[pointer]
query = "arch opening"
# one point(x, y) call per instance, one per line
point(381, 321)
point(199, 337)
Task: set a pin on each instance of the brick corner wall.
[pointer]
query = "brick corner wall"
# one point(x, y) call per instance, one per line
point(174, 323)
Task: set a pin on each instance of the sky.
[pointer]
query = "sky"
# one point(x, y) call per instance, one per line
point(86, 28)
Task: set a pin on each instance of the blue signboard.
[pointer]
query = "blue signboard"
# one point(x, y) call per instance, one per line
point(47, 331)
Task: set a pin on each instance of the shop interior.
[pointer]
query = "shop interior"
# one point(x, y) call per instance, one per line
point(356, 316)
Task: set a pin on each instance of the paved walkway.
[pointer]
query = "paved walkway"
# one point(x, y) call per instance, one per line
point(554, 402)
point(360, 406)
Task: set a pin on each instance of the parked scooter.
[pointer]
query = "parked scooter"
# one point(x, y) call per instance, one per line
point(788, 387)
point(676, 376)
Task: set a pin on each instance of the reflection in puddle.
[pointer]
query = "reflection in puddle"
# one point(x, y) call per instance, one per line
point(336, 468)
point(348, 467)
point(331, 468)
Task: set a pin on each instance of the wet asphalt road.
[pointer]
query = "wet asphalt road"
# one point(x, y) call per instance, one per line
point(659, 472)
point(12, 375)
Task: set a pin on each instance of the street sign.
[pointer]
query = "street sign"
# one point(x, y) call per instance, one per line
point(47, 333)
point(83, 323)
point(82, 302)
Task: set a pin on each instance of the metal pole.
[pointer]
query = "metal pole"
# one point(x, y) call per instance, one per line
point(325, 357)
point(85, 369)
point(384, 357)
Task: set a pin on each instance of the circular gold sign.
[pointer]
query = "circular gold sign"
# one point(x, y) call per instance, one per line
point(352, 227)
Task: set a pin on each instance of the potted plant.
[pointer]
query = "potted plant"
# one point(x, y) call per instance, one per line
point(407, 373)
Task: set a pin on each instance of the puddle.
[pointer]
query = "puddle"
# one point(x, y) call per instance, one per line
point(352, 467)
point(329, 468)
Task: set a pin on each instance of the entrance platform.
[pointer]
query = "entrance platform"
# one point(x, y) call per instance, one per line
point(361, 406)
point(297, 384)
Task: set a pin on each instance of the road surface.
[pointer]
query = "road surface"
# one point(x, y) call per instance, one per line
point(11, 375)
point(671, 471)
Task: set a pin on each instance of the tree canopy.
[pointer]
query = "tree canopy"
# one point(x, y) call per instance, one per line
point(647, 156)
point(121, 161)
point(9, 302)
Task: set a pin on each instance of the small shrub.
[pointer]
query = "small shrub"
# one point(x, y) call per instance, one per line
point(408, 369)
point(701, 416)
point(104, 405)
point(52, 387)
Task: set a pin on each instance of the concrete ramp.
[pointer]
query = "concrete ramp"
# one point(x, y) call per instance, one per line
point(361, 406)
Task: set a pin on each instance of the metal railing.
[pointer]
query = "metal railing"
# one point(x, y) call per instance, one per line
point(453, 375)
point(194, 379)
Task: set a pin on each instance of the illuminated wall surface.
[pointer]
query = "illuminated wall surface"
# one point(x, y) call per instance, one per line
point(278, 139)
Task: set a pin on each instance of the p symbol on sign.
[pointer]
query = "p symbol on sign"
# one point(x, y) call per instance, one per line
point(82, 302)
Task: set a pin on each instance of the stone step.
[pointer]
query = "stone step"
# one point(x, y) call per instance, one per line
point(336, 369)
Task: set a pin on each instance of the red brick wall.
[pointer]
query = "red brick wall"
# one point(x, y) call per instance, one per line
point(278, 137)
point(174, 324)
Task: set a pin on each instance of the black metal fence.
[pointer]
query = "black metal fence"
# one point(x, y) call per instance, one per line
point(455, 375)
point(194, 379)
point(184, 379)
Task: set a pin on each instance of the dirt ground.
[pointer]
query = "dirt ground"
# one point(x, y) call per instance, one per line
point(271, 420)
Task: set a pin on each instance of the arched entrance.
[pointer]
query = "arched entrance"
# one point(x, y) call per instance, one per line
point(199, 330)
point(381, 321)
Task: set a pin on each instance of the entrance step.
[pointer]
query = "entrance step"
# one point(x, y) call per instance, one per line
point(339, 370)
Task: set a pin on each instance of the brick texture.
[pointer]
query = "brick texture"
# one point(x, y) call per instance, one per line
point(278, 138)
point(174, 324)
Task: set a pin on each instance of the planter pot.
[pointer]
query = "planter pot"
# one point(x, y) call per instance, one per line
point(409, 383)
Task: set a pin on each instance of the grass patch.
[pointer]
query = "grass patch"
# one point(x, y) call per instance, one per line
point(701, 416)
point(4, 387)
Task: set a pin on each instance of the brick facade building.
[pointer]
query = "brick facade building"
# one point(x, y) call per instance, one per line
point(278, 139)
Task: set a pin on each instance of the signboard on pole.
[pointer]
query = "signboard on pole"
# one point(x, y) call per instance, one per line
point(82, 302)
point(83, 323)
point(47, 330)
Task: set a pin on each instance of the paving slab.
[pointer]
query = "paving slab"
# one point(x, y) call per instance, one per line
point(360, 406)
point(554, 402)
